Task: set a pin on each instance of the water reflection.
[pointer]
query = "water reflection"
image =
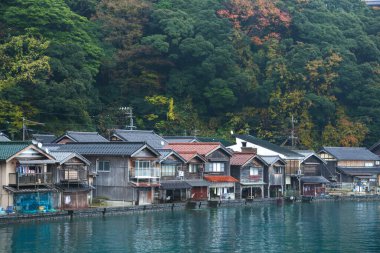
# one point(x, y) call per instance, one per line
point(316, 227)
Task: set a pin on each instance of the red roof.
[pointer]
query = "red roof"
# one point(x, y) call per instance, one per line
point(202, 148)
point(241, 158)
point(221, 179)
point(189, 155)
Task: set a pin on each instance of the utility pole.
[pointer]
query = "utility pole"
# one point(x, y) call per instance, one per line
point(293, 138)
point(30, 122)
point(23, 128)
point(129, 114)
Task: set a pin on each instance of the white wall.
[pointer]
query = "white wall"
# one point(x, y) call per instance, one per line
point(260, 150)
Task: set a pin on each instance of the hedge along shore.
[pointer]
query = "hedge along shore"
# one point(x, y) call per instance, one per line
point(113, 211)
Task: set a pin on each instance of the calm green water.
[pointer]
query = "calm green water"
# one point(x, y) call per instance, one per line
point(317, 227)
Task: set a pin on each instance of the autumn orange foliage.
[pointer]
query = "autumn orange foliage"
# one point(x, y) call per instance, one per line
point(260, 19)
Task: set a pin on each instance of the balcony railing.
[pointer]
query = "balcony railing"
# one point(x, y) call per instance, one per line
point(276, 179)
point(22, 179)
point(73, 175)
point(252, 179)
point(145, 173)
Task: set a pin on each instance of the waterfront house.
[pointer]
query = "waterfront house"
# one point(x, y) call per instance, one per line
point(172, 184)
point(3, 137)
point(73, 180)
point(26, 178)
point(276, 172)
point(125, 171)
point(252, 172)
point(72, 136)
point(293, 169)
point(356, 168)
point(216, 169)
point(315, 171)
point(148, 136)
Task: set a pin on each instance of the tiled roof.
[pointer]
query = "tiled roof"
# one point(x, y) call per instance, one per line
point(202, 148)
point(268, 145)
point(240, 159)
point(149, 137)
point(33, 189)
point(63, 156)
point(221, 179)
point(83, 137)
point(44, 138)
point(212, 139)
point(174, 184)
point(190, 155)
point(351, 153)
point(164, 153)
point(10, 148)
point(3, 137)
point(359, 170)
point(175, 139)
point(314, 180)
point(198, 183)
point(104, 148)
point(272, 159)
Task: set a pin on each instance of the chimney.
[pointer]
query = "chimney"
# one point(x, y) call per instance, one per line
point(249, 150)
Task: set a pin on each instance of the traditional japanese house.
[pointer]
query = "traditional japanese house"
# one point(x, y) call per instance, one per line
point(173, 187)
point(216, 169)
point(125, 171)
point(276, 172)
point(148, 136)
point(26, 178)
point(71, 136)
point(252, 173)
point(293, 169)
point(72, 178)
point(44, 138)
point(313, 181)
point(354, 167)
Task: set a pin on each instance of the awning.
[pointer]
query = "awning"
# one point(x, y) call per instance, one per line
point(198, 183)
point(171, 185)
point(252, 183)
point(314, 180)
point(220, 179)
point(37, 162)
point(359, 171)
point(144, 185)
point(29, 190)
point(74, 188)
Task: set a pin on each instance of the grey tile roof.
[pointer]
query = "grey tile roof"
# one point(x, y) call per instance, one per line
point(10, 148)
point(147, 136)
point(266, 144)
point(166, 152)
point(315, 180)
point(63, 156)
point(176, 139)
point(83, 137)
point(198, 183)
point(104, 148)
point(359, 170)
point(44, 138)
point(174, 184)
point(351, 153)
point(3, 137)
point(271, 159)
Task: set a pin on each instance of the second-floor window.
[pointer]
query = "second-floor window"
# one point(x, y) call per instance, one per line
point(253, 171)
point(194, 168)
point(104, 166)
point(141, 165)
point(214, 167)
point(168, 170)
point(277, 170)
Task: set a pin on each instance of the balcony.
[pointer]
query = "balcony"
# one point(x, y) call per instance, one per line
point(32, 179)
point(144, 173)
point(73, 175)
point(276, 179)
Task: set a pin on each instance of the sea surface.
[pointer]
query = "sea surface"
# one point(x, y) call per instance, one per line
point(300, 227)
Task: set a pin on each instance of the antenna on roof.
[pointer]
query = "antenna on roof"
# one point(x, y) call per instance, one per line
point(129, 114)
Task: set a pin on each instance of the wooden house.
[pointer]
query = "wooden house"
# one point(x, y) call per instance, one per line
point(216, 168)
point(72, 178)
point(354, 167)
point(293, 168)
point(26, 181)
point(148, 136)
point(276, 175)
point(252, 173)
point(125, 171)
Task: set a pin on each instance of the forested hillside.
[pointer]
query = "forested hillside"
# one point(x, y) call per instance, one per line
point(184, 65)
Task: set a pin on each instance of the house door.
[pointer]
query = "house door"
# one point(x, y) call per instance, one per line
point(145, 197)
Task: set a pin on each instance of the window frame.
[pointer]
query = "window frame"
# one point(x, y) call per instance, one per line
point(100, 166)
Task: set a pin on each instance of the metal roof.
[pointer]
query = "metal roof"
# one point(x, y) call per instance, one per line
point(359, 170)
point(63, 156)
point(83, 137)
point(171, 185)
point(272, 159)
point(27, 190)
point(266, 144)
point(147, 136)
point(198, 183)
point(165, 153)
point(10, 148)
point(175, 139)
point(315, 180)
point(351, 153)
point(3, 137)
point(106, 148)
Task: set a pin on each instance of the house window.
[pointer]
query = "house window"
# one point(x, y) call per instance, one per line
point(214, 167)
point(277, 170)
point(104, 166)
point(368, 164)
point(141, 165)
point(253, 171)
point(168, 170)
point(194, 168)
point(244, 144)
point(377, 162)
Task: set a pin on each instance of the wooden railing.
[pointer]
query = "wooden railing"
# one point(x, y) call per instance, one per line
point(22, 179)
point(73, 175)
